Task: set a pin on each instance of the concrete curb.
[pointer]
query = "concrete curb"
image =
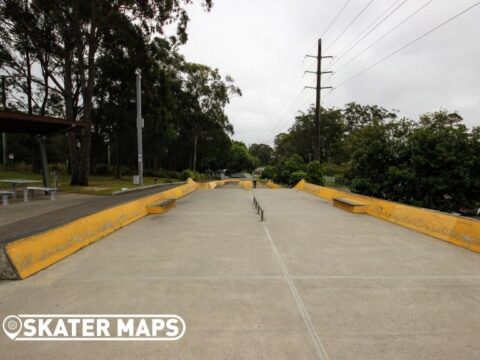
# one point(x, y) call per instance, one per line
point(121, 192)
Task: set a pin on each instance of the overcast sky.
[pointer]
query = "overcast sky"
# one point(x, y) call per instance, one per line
point(262, 44)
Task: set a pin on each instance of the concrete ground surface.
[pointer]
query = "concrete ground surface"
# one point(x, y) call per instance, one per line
point(312, 282)
point(40, 204)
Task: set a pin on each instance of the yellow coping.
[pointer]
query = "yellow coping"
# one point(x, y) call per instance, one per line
point(457, 230)
point(34, 253)
point(272, 185)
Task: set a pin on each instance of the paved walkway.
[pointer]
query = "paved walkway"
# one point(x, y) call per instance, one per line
point(313, 282)
point(22, 219)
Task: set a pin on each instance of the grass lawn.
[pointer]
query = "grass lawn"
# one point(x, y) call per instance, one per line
point(98, 185)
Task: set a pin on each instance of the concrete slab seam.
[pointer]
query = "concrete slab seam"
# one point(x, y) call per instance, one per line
point(300, 305)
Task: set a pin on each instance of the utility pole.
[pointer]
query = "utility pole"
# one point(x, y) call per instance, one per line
point(4, 108)
point(138, 74)
point(318, 88)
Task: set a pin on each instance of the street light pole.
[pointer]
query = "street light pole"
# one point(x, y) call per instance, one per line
point(4, 108)
point(138, 74)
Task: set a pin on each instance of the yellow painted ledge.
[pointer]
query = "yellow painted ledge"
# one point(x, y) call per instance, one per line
point(350, 205)
point(456, 230)
point(36, 252)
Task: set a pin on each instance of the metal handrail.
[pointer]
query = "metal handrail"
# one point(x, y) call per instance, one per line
point(259, 210)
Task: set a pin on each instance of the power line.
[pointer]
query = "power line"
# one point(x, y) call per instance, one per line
point(281, 123)
point(284, 102)
point(385, 35)
point(350, 48)
point(409, 44)
point(336, 17)
point(287, 105)
point(371, 24)
point(287, 97)
point(350, 24)
point(278, 129)
point(301, 106)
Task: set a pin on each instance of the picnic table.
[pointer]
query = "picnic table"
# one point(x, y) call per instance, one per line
point(15, 182)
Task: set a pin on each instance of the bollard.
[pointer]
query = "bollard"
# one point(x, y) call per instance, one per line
point(262, 216)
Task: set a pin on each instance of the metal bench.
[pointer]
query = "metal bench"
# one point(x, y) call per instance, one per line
point(161, 207)
point(4, 194)
point(30, 189)
point(350, 205)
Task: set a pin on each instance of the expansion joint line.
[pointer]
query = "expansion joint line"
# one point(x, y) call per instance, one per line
point(300, 305)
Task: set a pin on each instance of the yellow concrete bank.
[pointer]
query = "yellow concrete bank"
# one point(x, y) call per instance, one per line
point(34, 253)
point(457, 230)
point(272, 185)
point(246, 184)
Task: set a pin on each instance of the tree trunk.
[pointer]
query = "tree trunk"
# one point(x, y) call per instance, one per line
point(70, 114)
point(29, 82)
point(195, 143)
point(118, 175)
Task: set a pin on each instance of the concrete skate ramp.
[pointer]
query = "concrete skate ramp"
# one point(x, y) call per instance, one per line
point(456, 230)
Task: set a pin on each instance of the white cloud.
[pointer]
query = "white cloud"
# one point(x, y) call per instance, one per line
point(261, 43)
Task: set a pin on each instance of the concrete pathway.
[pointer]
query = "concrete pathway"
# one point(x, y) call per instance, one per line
point(21, 219)
point(313, 282)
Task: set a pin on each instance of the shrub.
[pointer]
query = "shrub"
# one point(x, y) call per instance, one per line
point(286, 167)
point(102, 169)
point(125, 170)
point(190, 174)
point(151, 173)
point(315, 172)
point(296, 176)
point(268, 172)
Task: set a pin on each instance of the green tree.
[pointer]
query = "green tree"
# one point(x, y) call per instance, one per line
point(241, 159)
point(315, 173)
point(76, 32)
point(263, 152)
point(268, 172)
point(285, 167)
point(211, 94)
point(438, 162)
point(300, 138)
point(295, 177)
point(373, 154)
point(430, 164)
